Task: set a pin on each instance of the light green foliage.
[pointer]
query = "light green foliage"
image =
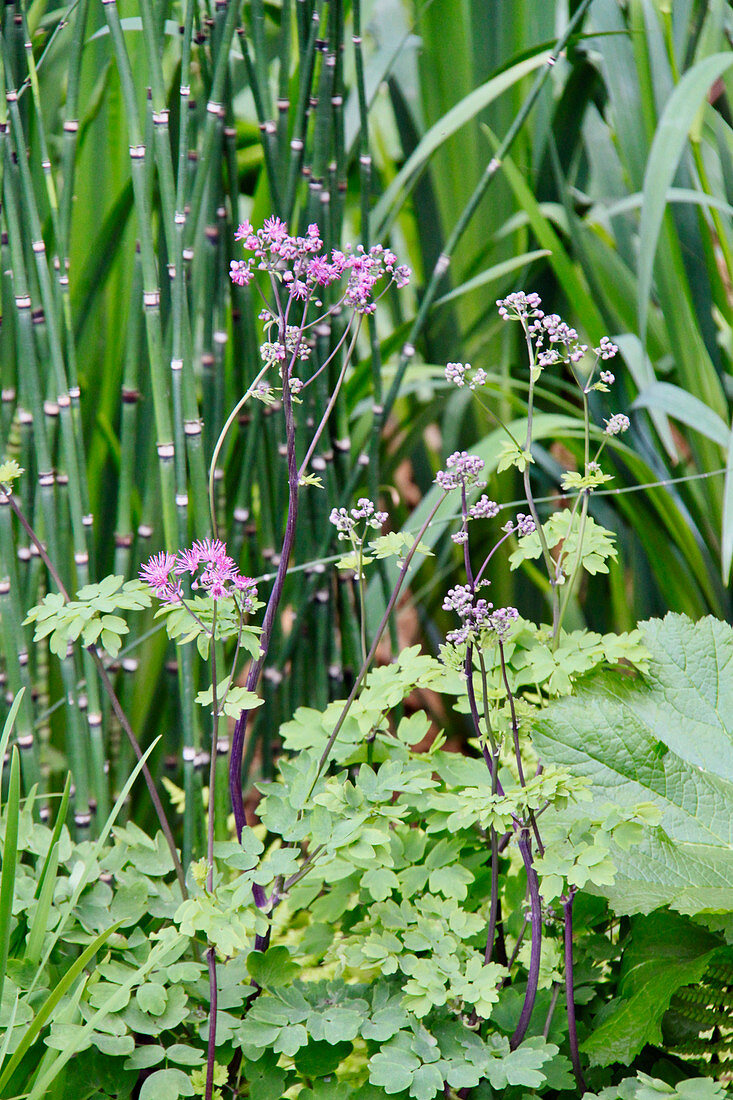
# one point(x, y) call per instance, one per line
point(573, 480)
point(511, 455)
point(644, 1087)
point(661, 739)
point(231, 700)
point(366, 729)
point(395, 544)
point(382, 871)
point(90, 617)
point(183, 627)
point(10, 471)
point(579, 852)
point(563, 528)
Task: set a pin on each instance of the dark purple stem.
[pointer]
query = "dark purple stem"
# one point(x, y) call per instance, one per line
point(268, 622)
point(492, 765)
point(494, 906)
point(513, 709)
point(569, 996)
point(211, 954)
point(515, 735)
point(525, 847)
point(466, 554)
point(211, 1052)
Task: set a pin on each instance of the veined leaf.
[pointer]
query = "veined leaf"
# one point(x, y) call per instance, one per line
point(665, 739)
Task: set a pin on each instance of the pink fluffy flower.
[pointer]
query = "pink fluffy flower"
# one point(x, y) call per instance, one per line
point(156, 571)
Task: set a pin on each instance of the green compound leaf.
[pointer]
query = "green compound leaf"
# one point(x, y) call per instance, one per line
point(236, 699)
point(272, 968)
point(393, 1067)
point(320, 1058)
point(662, 739)
point(166, 1084)
point(643, 1087)
point(563, 527)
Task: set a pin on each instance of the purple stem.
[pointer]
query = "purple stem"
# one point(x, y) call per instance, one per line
point(211, 1053)
point(268, 622)
point(494, 907)
point(468, 670)
point(525, 847)
point(211, 954)
point(569, 997)
point(513, 709)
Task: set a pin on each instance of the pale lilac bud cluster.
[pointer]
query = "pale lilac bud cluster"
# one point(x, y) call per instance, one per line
point(456, 373)
point(617, 424)
point(296, 344)
point(462, 374)
point(272, 352)
point(606, 349)
point(346, 522)
point(502, 621)
point(461, 469)
point(519, 306)
point(458, 599)
point(365, 510)
point(523, 525)
point(460, 537)
point(607, 377)
point(476, 615)
point(484, 508)
point(211, 569)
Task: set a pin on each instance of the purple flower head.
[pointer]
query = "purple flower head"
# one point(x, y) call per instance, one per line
point(365, 512)
point(607, 377)
point(156, 572)
point(502, 620)
point(461, 468)
point(210, 568)
point(240, 272)
point(475, 614)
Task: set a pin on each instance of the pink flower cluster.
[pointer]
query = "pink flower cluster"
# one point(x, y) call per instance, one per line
point(565, 345)
point(303, 269)
point(210, 567)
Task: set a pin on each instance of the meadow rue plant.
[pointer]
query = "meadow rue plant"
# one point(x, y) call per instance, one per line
point(401, 920)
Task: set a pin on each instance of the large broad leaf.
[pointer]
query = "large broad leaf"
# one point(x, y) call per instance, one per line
point(666, 739)
point(666, 952)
